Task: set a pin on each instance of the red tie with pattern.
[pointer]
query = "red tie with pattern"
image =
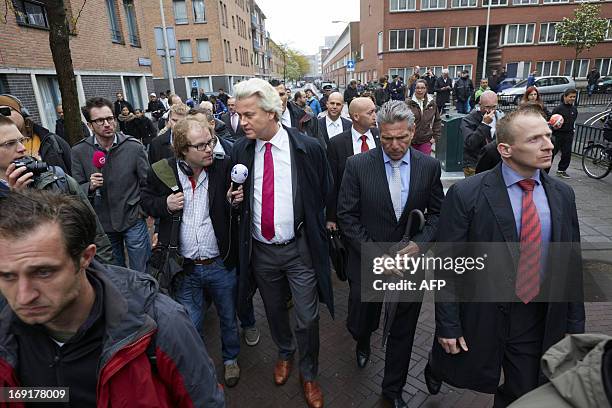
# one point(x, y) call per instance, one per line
point(267, 195)
point(364, 144)
point(528, 273)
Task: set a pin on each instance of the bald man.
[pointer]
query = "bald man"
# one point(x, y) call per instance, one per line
point(478, 129)
point(331, 124)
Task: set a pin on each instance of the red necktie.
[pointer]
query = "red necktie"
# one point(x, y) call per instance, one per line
point(364, 144)
point(267, 195)
point(528, 274)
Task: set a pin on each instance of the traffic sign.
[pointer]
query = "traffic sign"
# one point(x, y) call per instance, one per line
point(350, 66)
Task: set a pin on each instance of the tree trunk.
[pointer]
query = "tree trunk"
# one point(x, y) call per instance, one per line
point(59, 41)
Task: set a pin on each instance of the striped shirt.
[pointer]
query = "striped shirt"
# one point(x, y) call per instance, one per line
point(197, 237)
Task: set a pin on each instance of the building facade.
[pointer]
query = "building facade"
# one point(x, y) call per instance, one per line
point(277, 65)
point(262, 55)
point(345, 48)
point(110, 54)
point(397, 35)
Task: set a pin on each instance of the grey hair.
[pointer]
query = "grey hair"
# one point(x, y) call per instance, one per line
point(445, 71)
point(269, 100)
point(393, 112)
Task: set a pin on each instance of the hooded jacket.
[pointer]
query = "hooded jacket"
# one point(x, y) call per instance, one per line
point(579, 369)
point(137, 319)
point(125, 172)
point(53, 150)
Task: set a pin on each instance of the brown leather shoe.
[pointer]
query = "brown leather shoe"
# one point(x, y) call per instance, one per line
point(282, 369)
point(313, 394)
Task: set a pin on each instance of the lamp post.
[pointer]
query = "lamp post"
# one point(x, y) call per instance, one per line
point(348, 23)
point(486, 46)
point(166, 48)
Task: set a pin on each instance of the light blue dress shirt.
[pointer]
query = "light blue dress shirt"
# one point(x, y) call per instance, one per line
point(404, 174)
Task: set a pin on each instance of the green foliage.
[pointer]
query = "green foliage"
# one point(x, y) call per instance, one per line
point(296, 64)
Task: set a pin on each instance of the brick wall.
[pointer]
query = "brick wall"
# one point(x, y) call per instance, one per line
point(104, 86)
point(21, 87)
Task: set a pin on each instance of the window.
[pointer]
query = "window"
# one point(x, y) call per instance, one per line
point(401, 39)
point(555, 1)
point(402, 5)
point(437, 70)
point(398, 72)
point(454, 71)
point(185, 51)
point(50, 98)
point(524, 2)
point(361, 51)
point(463, 36)
point(31, 13)
point(463, 3)
point(130, 14)
point(134, 91)
point(582, 68)
point(520, 69)
point(433, 4)
point(380, 42)
point(546, 68)
point(609, 31)
point(548, 34)
point(495, 3)
point(113, 21)
point(199, 11)
point(431, 38)
point(519, 34)
point(604, 66)
point(233, 22)
point(180, 12)
point(204, 50)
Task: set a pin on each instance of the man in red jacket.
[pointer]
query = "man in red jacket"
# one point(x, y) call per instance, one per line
point(104, 332)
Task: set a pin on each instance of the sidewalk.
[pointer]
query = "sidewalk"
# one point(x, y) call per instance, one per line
point(344, 385)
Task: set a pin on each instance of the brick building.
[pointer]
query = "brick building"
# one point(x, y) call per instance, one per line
point(344, 49)
point(396, 35)
point(262, 55)
point(277, 65)
point(109, 54)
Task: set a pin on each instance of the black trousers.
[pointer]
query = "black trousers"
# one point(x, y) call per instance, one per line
point(363, 317)
point(563, 143)
point(521, 333)
point(399, 349)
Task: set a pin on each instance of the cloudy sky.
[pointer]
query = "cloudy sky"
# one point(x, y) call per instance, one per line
point(304, 24)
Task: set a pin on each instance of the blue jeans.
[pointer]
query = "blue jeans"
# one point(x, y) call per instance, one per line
point(591, 88)
point(222, 286)
point(136, 239)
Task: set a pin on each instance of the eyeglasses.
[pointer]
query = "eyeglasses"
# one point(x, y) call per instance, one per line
point(100, 121)
point(5, 111)
point(12, 143)
point(202, 146)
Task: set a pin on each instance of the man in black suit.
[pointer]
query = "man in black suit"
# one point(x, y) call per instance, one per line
point(518, 204)
point(282, 234)
point(200, 197)
point(379, 189)
point(161, 145)
point(332, 123)
point(360, 137)
point(232, 120)
point(294, 116)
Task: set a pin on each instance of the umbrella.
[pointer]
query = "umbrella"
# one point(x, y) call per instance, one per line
point(414, 225)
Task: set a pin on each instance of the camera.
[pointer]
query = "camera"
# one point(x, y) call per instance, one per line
point(32, 165)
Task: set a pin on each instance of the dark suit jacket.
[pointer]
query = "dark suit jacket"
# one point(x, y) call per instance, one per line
point(312, 182)
point(340, 149)
point(478, 210)
point(153, 201)
point(160, 148)
point(228, 124)
point(346, 125)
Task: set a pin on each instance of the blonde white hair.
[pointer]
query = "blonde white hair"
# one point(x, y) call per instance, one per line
point(268, 97)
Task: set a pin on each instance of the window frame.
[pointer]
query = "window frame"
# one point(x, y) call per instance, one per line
point(406, 30)
point(181, 21)
point(580, 61)
point(545, 2)
point(500, 3)
point(547, 24)
point(22, 16)
point(450, 44)
point(456, 69)
point(464, 7)
point(429, 29)
point(445, 2)
point(133, 32)
point(184, 59)
point(540, 67)
point(193, 9)
point(525, 2)
point(114, 21)
point(401, 10)
point(380, 42)
point(518, 27)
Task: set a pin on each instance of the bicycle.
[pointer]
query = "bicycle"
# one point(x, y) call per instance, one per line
point(597, 160)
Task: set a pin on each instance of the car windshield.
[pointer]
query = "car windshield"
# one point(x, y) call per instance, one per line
point(522, 83)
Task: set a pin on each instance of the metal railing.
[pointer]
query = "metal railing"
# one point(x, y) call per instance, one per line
point(508, 103)
point(584, 135)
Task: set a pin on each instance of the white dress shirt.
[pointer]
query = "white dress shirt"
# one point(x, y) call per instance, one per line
point(283, 189)
point(234, 119)
point(197, 236)
point(286, 118)
point(419, 102)
point(334, 127)
point(357, 140)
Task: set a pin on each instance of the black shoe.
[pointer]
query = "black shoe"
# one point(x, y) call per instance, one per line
point(363, 356)
point(397, 402)
point(433, 384)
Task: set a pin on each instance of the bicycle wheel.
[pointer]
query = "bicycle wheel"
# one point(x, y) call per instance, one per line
point(596, 161)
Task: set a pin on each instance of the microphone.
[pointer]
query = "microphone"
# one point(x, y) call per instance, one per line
point(98, 161)
point(240, 172)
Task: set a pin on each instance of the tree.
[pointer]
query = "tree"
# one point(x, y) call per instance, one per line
point(296, 64)
point(59, 43)
point(582, 32)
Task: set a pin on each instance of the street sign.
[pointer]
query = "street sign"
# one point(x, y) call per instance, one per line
point(195, 83)
point(350, 66)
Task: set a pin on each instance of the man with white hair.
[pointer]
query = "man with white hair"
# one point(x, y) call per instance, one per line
point(443, 88)
point(282, 236)
point(478, 129)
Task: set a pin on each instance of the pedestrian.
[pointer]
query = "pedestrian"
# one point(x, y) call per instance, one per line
point(219, 107)
point(532, 96)
point(431, 79)
point(207, 238)
point(494, 80)
point(142, 128)
point(232, 120)
point(282, 239)
point(40, 143)
point(373, 206)
point(155, 107)
point(203, 96)
point(463, 90)
point(484, 86)
point(397, 90)
point(443, 88)
point(382, 92)
point(120, 103)
point(89, 317)
point(313, 103)
point(124, 119)
point(222, 96)
point(351, 92)
point(161, 145)
point(60, 128)
point(114, 188)
point(332, 124)
point(531, 78)
point(564, 136)
point(518, 205)
point(426, 118)
point(163, 98)
point(592, 79)
point(327, 90)
point(293, 116)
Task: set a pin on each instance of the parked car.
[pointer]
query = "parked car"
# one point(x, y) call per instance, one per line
point(508, 83)
point(545, 85)
point(604, 85)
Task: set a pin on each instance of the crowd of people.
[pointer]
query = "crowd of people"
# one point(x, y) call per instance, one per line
point(241, 193)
